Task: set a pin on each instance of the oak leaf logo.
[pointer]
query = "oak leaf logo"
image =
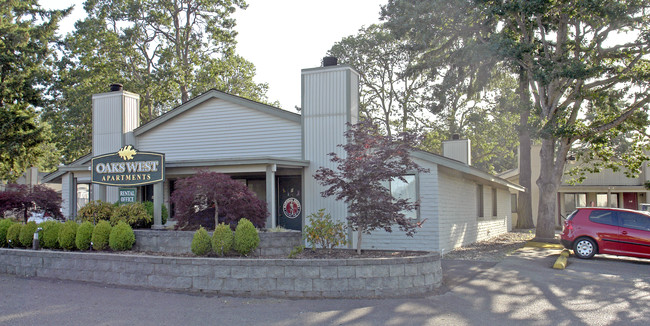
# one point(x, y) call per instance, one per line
point(126, 153)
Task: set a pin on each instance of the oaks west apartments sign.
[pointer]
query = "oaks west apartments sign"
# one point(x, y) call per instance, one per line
point(128, 167)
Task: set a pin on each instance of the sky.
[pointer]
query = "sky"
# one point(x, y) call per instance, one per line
point(280, 37)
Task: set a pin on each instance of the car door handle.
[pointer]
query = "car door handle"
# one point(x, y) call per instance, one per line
point(624, 232)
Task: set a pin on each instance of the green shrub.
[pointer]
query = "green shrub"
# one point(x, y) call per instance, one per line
point(121, 237)
point(100, 235)
point(13, 235)
point(323, 232)
point(201, 242)
point(84, 234)
point(27, 234)
point(134, 214)
point(5, 224)
point(164, 214)
point(297, 250)
point(68, 235)
point(246, 237)
point(50, 234)
point(95, 211)
point(222, 239)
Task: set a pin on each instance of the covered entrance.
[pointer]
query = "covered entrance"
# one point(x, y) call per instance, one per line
point(289, 205)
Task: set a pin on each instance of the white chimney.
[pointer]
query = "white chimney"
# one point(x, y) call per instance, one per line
point(458, 149)
point(115, 115)
point(330, 99)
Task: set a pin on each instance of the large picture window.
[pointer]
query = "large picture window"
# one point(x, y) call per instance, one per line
point(405, 190)
point(604, 200)
point(573, 201)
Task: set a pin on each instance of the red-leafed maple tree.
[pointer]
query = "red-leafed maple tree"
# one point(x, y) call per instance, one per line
point(20, 198)
point(208, 198)
point(372, 161)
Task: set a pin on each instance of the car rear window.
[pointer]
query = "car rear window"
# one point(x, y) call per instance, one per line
point(634, 221)
point(603, 217)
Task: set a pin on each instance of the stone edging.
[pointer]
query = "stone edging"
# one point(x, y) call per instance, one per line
point(300, 278)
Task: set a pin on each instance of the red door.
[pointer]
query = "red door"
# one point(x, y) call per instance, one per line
point(630, 200)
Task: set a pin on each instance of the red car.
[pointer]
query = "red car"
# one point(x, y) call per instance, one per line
point(589, 231)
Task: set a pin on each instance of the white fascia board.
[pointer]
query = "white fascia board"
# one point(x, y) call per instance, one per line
point(466, 169)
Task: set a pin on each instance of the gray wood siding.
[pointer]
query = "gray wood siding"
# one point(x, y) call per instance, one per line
point(217, 129)
point(426, 237)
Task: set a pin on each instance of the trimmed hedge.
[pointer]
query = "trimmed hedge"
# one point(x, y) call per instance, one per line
point(68, 235)
point(13, 235)
point(246, 237)
point(121, 237)
point(5, 224)
point(84, 234)
point(100, 235)
point(222, 239)
point(27, 234)
point(201, 242)
point(50, 234)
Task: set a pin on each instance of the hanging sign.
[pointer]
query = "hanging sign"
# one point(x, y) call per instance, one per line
point(128, 167)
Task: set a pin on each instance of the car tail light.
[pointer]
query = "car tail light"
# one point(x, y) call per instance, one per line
point(569, 226)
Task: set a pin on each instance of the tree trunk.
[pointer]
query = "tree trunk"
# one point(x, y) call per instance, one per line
point(524, 200)
point(359, 242)
point(552, 167)
point(216, 215)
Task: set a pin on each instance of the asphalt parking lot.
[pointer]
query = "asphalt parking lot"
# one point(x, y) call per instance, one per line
point(522, 289)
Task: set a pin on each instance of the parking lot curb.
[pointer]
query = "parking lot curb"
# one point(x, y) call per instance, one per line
point(562, 260)
point(545, 245)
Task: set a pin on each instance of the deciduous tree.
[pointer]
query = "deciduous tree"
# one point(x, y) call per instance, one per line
point(208, 198)
point(167, 51)
point(585, 63)
point(372, 160)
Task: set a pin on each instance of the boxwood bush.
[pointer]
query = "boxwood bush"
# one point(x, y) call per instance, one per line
point(13, 235)
point(27, 234)
point(68, 235)
point(121, 237)
point(201, 242)
point(101, 234)
point(134, 214)
point(96, 211)
point(84, 234)
point(5, 224)
point(50, 234)
point(222, 239)
point(246, 237)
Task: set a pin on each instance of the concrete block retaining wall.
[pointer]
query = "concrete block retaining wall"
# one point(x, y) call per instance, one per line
point(180, 242)
point(304, 278)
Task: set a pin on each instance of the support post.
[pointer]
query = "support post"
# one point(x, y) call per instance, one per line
point(270, 195)
point(157, 206)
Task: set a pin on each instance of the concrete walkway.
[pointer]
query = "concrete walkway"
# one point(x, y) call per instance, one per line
point(521, 290)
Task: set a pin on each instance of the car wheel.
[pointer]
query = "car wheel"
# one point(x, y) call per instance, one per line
point(585, 248)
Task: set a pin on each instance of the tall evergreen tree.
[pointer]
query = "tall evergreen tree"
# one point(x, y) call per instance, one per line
point(26, 34)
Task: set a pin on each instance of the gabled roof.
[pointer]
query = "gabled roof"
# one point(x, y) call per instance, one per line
point(215, 94)
point(465, 169)
point(81, 164)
